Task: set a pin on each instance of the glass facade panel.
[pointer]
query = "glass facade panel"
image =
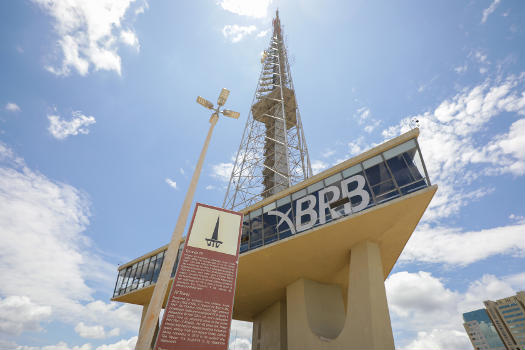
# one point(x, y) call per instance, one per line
point(400, 149)
point(315, 187)
point(392, 174)
point(372, 161)
point(352, 171)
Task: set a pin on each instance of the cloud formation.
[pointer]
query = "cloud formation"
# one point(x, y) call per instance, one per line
point(61, 129)
point(172, 183)
point(451, 142)
point(447, 245)
point(88, 33)
point(42, 230)
point(18, 314)
point(12, 107)
point(236, 33)
point(95, 332)
point(488, 11)
point(252, 8)
point(429, 314)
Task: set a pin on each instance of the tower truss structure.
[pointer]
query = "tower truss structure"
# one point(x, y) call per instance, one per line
point(273, 154)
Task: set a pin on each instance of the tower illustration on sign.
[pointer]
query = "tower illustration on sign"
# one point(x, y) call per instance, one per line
point(214, 240)
point(272, 155)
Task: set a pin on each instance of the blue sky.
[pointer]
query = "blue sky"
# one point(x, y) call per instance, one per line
point(99, 134)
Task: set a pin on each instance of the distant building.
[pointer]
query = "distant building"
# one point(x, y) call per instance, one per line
point(501, 326)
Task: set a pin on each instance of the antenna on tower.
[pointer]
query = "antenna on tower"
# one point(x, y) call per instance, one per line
point(273, 154)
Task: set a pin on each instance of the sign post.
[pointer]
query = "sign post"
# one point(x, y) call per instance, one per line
point(199, 309)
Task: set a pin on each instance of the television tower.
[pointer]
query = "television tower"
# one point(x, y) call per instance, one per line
point(272, 155)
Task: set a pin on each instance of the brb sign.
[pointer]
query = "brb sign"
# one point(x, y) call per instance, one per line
point(349, 196)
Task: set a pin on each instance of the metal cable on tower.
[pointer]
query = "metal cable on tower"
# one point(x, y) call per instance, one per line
point(273, 154)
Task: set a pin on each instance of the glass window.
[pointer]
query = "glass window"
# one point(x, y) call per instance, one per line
point(315, 187)
point(372, 161)
point(299, 194)
point(245, 236)
point(283, 201)
point(420, 172)
point(352, 171)
point(334, 178)
point(158, 265)
point(149, 271)
point(269, 207)
point(125, 281)
point(256, 225)
point(377, 174)
point(269, 228)
point(255, 213)
point(400, 149)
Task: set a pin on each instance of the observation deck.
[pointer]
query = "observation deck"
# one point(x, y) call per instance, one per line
point(307, 230)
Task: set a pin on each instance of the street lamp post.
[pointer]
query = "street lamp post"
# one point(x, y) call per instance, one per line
point(150, 320)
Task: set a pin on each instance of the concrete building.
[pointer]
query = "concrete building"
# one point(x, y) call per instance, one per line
point(314, 257)
point(505, 316)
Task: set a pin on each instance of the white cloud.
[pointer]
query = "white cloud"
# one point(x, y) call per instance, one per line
point(252, 8)
point(428, 315)
point(123, 344)
point(318, 166)
point(240, 335)
point(222, 171)
point(182, 171)
point(172, 183)
point(451, 146)
point(88, 33)
point(129, 37)
point(506, 151)
point(262, 33)
point(328, 153)
point(210, 187)
point(372, 125)
point(95, 332)
point(18, 314)
point(488, 11)
point(236, 33)
point(357, 146)
point(42, 224)
point(362, 115)
point(461, 69)
point(440, 339)
point(447, 245)
point(61, 129)
point(12, 107)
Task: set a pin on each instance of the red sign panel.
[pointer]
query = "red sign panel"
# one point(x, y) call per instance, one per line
point(200, 305)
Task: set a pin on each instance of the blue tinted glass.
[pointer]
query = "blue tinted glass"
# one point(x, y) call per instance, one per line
point(256, 231)
point(158, 265)
point(384, 187)
point(400, 170)
point(245, 236)
point(387, 196)
point(269, 227)
point(377, 174)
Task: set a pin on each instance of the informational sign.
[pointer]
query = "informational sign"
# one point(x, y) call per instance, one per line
point(200, 305)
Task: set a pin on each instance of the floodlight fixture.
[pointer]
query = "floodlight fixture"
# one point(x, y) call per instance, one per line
point(231, 114)
point(223, 97)
point(204, 102)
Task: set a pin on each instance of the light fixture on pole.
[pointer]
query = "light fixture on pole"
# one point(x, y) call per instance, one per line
point(150, 319)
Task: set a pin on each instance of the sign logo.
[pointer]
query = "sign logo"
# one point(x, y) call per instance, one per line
point(214, 240)
point(313, 207)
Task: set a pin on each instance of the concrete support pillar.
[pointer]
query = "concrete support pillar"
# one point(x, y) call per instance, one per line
point(316, 318)
point(269, 328)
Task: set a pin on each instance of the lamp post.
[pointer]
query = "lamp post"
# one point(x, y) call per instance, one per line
point(150, 320)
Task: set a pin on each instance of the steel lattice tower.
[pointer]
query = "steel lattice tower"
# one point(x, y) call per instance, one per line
point(272, 155)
